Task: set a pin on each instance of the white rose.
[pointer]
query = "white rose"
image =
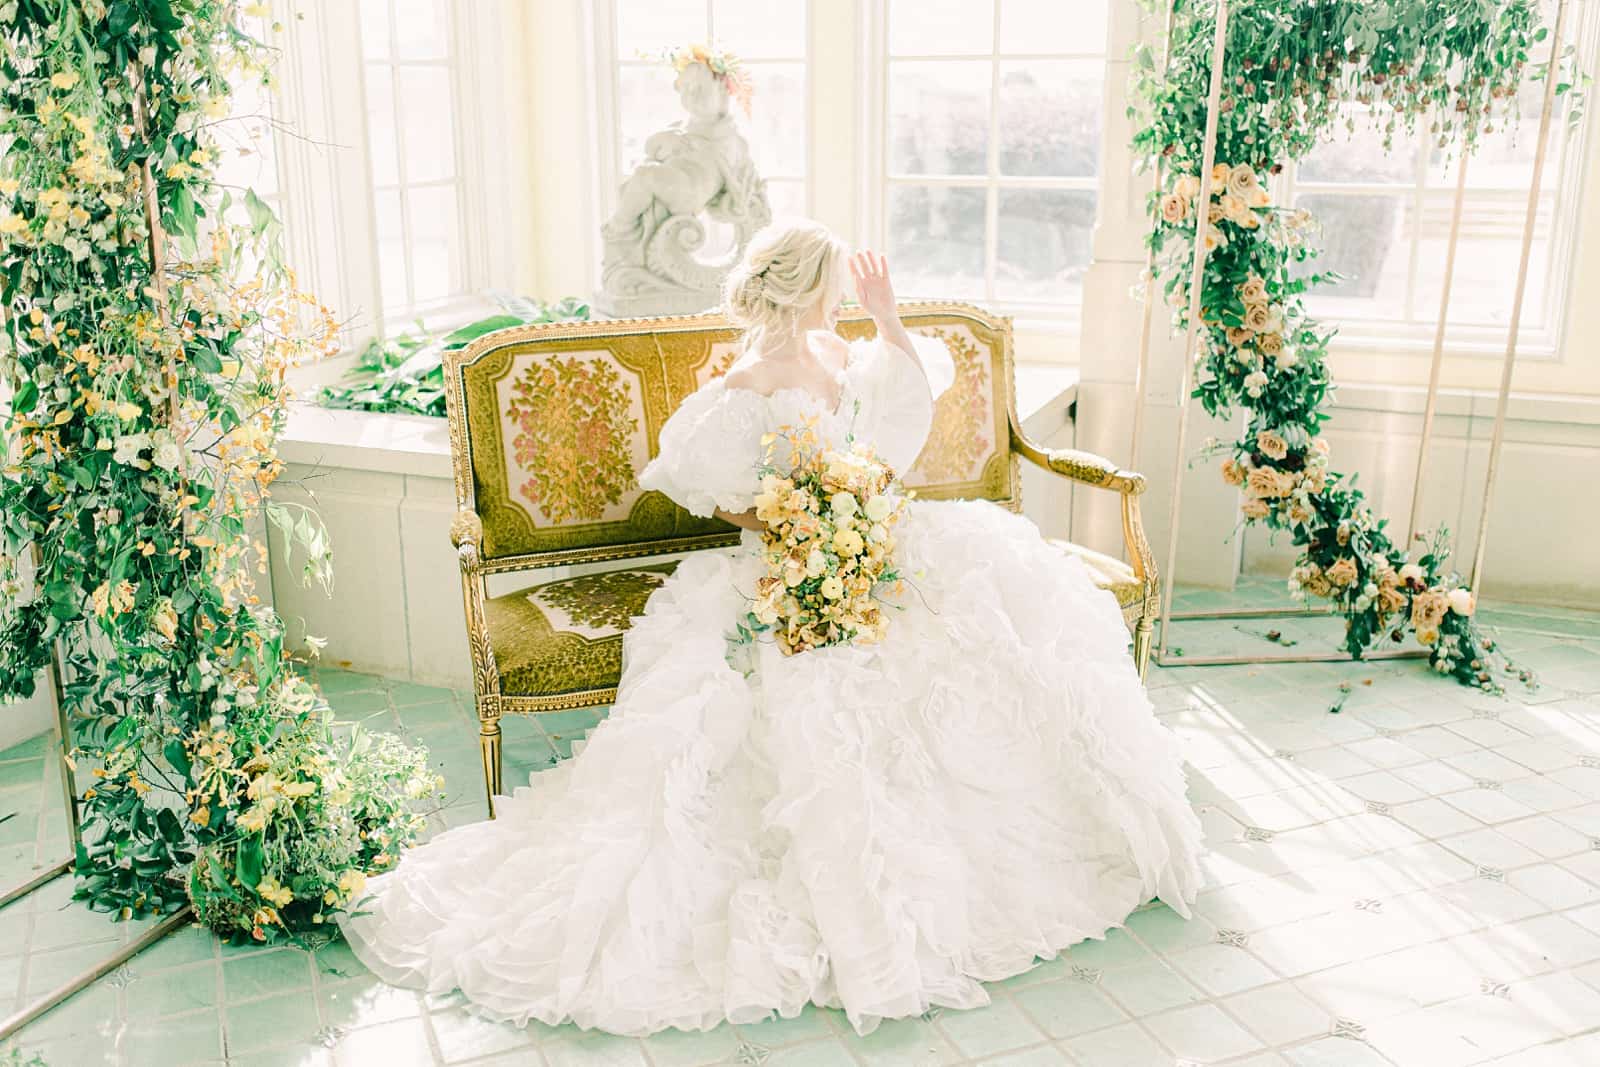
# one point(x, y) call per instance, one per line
point(816, 563)
point(832, 588)
point(1255, 382)
point(1462, 602)
point(878, 508)
point(878, 533)
point(1411, 572)
point(844, 504)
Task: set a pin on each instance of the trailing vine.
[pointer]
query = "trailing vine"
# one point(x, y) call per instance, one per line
point(149, 325)
point(1451, 68)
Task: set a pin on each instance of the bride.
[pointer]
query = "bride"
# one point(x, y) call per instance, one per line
point(879, 828)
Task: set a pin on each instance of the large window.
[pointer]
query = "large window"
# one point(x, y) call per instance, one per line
point(411, 114)
point(769, 36)
point(989, 147)
point(1385, 228)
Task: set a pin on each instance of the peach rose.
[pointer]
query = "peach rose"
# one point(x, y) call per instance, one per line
point(1254, 290)
point(1238, 336)
point(1256, 317)
point(1272, 444)
point(1174, 208)
point(1428, 609)
point(1232, 472)
point(1271, 344)
point(1220, 174)
point(1316, 583)
point(1187, 186)
point(1242, 180)
point(1232, 207)
point(1214, 214)
point(1462, 602)
point(1343, 572)
point(1259, 197)
point(1264, 481)
point(1254, 508)
point(1390, 600)
point(1299, 514)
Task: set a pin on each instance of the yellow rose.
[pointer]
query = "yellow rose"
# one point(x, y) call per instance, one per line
point(1233, 208)
point(1343, 572)
point(832, 588)
point(1187, 187)
point(1219, 178)
point(1174, 208)
point(847, 542)
point(1272, 444)
point(1232, 472)
point(1254, 290)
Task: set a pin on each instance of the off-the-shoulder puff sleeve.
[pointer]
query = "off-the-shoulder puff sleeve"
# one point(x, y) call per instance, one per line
point(896, 397)
point(710, 448)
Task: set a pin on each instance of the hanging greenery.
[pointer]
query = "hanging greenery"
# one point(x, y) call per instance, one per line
point(149, 326)
point(1450, 69)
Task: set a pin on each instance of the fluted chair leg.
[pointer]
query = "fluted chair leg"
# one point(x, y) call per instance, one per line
point(1142, 634)
point(489, 742)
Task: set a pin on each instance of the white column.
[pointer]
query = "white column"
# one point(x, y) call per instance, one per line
point(1109, 360)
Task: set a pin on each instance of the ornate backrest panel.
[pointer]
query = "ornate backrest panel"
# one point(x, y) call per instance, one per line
point(550, 426)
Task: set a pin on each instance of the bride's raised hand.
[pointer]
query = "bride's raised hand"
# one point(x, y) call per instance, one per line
point(874, 290)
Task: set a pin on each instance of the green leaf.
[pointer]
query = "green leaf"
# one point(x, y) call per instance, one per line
point(25, 398)
point(205, 358)
point(177, 755)
point(250, 860)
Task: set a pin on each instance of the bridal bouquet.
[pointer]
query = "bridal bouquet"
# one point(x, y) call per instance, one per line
point(828, 544)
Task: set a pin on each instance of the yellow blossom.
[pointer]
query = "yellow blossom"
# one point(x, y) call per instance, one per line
point(64, 80)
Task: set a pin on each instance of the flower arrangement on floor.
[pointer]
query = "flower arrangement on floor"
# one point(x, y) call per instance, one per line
point(828, 543)
point(1452, 69)
point(149, 326)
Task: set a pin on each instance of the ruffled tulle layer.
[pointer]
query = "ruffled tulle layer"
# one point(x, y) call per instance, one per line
point(878, 829)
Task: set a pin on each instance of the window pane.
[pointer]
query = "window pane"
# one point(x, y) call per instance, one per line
point(645, 27)
point(1503, 159)
point(380, 125)
point(429, 140)
point(786, 197)
point(375, 29)
point(936, 241)
point(1487, 258)
point(1050, 117)
point(776, 128)
point(760, 29)
point(941, 27)
point(1358, 155)
point(434, 243)
point(420, 30)
point(939, 117)
point(391, 251)
point(1034, 26)
point(646, 105)
point(247, 157)
point(1042, 247)
point(1365, 238)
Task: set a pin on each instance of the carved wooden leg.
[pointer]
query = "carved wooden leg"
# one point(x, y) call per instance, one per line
point(1141, 642)
point(489, 742)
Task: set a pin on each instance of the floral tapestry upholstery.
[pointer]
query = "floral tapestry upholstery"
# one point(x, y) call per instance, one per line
point(565, 637)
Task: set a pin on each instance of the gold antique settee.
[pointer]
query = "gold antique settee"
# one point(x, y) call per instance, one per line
point(550, 426)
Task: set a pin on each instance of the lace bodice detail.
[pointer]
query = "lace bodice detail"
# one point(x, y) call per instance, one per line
point(711, 446)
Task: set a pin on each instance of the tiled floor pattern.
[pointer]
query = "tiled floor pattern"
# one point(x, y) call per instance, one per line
point(1411, 880)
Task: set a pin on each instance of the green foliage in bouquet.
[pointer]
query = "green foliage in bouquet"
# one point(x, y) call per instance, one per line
point(1295, 71)
point(149, 326)
point(405, 373)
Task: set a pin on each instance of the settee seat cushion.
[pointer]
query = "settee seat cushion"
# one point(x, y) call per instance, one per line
point(1108, 572)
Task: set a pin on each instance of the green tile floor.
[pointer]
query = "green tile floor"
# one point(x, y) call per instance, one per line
point(1412, 880)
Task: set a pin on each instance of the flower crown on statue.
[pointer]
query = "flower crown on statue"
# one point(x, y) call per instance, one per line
point(724, 66)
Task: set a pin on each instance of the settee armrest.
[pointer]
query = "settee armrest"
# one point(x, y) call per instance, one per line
point(1084, 467)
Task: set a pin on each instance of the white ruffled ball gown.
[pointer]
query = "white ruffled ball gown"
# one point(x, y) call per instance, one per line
point(879, 828)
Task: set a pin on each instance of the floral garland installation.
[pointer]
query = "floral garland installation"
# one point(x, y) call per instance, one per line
point(1451, 66)
point(149, 326)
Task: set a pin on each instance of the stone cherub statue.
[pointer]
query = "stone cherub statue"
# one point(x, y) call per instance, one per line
point(696, 168)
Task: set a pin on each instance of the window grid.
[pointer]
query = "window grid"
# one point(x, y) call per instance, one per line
point(402, 187)
point(992, 182)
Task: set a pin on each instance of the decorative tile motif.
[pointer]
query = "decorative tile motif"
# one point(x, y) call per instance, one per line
point(1086, 974)
point(1236, 938)
point(931, 1014)
point(329, 1036)
point(1589, 761)
point(122, 977)
point(1387, 731)
point(1594, 843)
point(1486, 783)
point(1377, 807)
point(1492, 988)
point(1492, 874)
point(1283, 754)
point(751, 1054)
point(1256, 833)
point(1372, 904)
point(1349, 1028)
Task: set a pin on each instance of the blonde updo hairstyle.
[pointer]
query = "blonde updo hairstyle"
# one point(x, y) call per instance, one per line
point(789, 267)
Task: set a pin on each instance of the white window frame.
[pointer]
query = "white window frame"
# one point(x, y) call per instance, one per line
point(605, 74)
point(1543, 342)
point(325, 166)
point(876, 179)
